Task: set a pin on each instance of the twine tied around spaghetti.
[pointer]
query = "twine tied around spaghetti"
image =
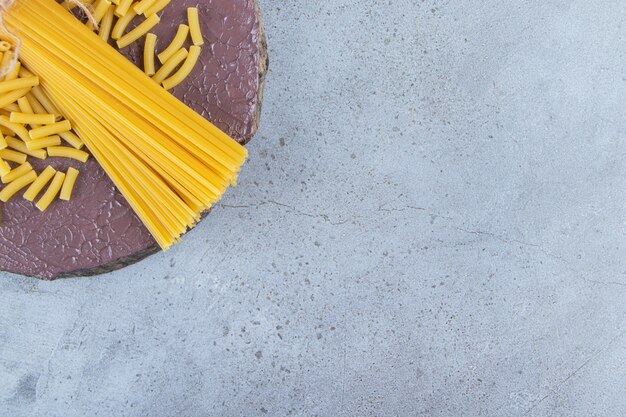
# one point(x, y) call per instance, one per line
point(87, 10)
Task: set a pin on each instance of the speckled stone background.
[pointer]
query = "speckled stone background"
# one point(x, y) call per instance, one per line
point(432, 223)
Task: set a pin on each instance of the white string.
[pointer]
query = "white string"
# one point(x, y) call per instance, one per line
point(87, 10)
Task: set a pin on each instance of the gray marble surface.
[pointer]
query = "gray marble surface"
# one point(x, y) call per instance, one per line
point(432, 223)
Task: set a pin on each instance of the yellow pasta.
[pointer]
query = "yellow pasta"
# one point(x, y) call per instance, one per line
point(16, 172)
point(8, 109)
point(11, 97)
point(68, 184)
point(194, 25)
point(121, 24)
point(141, 6)
point(7, 56)
point(40, 143)
point(176, 44)
point(72, 139)
point(13, 156)
point(42, 179)
point(140, 30)
point(4, 167)
point(30, 118)
point(14, 72)
point(43, 99)
point(148, 54)
point(25, 73)
point(156, 7)
point(24, 105)
point(13, 187)
point(13, 107)
point(4, 46)
point(106, 24)
point(16, 128)
point(65, 152)
point(169, 162)
point(3, 142)
point(6, 131)
point(102, 6)
point(20, 146)
point(53, 190)
point(122, 8)
point(17, 84)
point(37, 107)
point(48, 130)
point(185, 69)
point(170, 65)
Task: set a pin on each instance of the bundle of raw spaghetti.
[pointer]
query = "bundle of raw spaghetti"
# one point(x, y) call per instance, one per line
point(169, 162)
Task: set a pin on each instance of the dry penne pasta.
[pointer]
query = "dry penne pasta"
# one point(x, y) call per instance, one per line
point(25, 73)
point(185, 69)
point(30, 118)
point(16, 128)
point(51, 129)
point(121, 24)
point(7, 56)
point(6, 131)
point(194, 26)
point(170, 65)
point(106, 24)
point(45, 142)
point(141, 6)
point(18, 84)
point(20, 146)
point(72, 139)
point(53, 190)
point(66, 152)
point(156, 7)
point(68, 184)
point(14, 72)
point(176, 44)
point(14, 186)
point(12, 107)
point(24, 105)
point(140, 30)
point(35, 104)
point(123, 7)
point(148, 54)
point(10, 97)
point(4, 167)
point(13, 155)
point(43, 99)
point(42, 179)
point(102, 6)
point(17, 172)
